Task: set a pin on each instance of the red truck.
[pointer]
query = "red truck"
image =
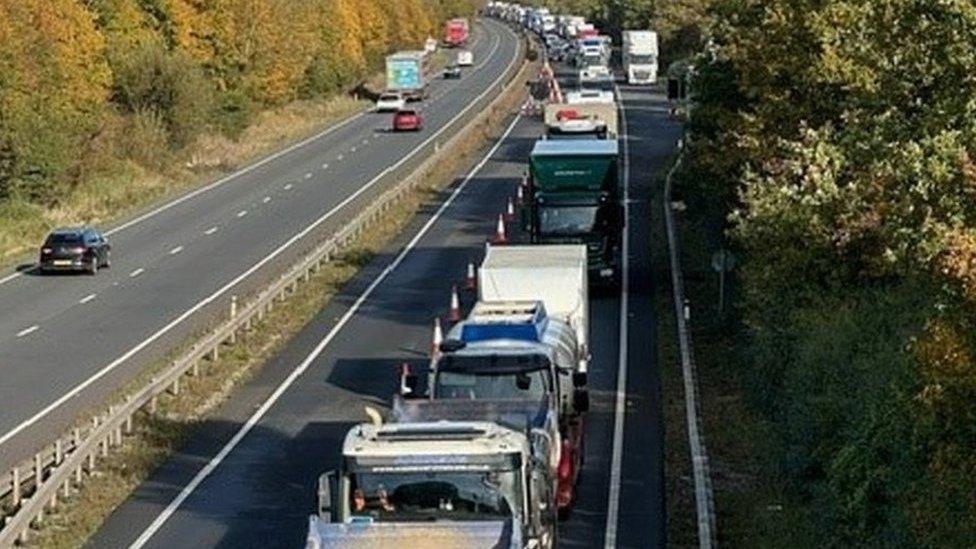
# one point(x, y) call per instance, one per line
point(456, 33)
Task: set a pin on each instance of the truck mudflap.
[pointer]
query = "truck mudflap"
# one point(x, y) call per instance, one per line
point(569, 468)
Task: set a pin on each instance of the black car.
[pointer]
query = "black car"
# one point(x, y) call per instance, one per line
point(452, 71)
point(74, 249)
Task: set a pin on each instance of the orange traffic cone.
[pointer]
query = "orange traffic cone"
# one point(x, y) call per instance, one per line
point(500, 237)
point(435, 346)
point(470, 281)
point(509, 211)
point(454, 314)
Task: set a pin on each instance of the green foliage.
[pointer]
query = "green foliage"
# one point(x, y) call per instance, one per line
point(174, 69)
point(843, 155)
point(150, 78)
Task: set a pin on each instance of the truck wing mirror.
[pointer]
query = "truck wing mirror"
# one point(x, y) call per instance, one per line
point(579, 379)
point(581, 400)
point(327, 489)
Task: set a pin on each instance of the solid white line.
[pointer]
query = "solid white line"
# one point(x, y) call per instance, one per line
point(242, 213)
point(16, 274)
point(136, 272)
point(176, 250)
point(26, 331)
point(613, 498)
point(319, 348)
point(268, 258)
point(87, 298)
point(266, 199)
point(211, 230)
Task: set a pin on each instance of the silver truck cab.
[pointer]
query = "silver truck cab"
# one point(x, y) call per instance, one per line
point(435, 484)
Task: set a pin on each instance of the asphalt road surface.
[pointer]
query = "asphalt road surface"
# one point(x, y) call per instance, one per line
point(66, 342)
point(247, 478)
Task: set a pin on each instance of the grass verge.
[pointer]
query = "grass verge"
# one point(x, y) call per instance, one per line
point(156, 436)
point(752, 506)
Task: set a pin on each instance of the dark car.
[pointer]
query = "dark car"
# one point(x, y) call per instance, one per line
point(452, 71)
point(74, 249)
point(407, 120)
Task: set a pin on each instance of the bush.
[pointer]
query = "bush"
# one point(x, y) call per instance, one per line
point(169, 83)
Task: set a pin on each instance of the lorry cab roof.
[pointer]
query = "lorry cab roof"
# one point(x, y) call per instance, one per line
point(512, 329)
point(435, 439)
point(576, 147)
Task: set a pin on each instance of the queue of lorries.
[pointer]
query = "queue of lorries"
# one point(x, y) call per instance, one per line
point(484, 446)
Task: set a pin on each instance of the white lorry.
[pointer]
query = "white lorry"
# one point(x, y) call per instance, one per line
point(640, 53)
point(437, 483)
point(556, 275)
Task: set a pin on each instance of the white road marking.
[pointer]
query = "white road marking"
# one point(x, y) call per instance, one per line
point(613, 498)
point(214, 462)
point(308, 175)
point(136, 272)
point(339, 157)
point(288, 187)
point(176, 250)
point(265, 200)
point(26, 331)
point(77, 389)
point(325, 166)
point(242, 213)
point(365, 141)
point(352, 149)
point(211, 230)
point(87, 298)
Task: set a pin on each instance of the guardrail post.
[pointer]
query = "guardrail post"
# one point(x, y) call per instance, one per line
point(175, 387)
point(15, 485)
point(195, 368)
point(91, 456)
point(58, 452)
point(76, 435)
point(38, 471)
point(233, 316)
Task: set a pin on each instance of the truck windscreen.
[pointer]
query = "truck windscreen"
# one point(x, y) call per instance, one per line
point(492, 376)
point(567, 220)
point(423, 496)
point(642, 59)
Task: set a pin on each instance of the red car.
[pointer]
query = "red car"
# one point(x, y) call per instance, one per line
point(407, 121)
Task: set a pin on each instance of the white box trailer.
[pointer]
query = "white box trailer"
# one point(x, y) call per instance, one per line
point(556, 275)
point(639, 54)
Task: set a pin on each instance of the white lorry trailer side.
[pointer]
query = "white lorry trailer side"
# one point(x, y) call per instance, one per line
point(640, 53)
point(556, 275)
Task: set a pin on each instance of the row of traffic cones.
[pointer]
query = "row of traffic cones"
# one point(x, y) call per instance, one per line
point(470, 280)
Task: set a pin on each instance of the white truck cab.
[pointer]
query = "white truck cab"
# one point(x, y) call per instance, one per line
point(435, 484)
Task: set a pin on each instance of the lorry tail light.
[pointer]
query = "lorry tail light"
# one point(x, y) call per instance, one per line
point(46, 250)
point(565, 470)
